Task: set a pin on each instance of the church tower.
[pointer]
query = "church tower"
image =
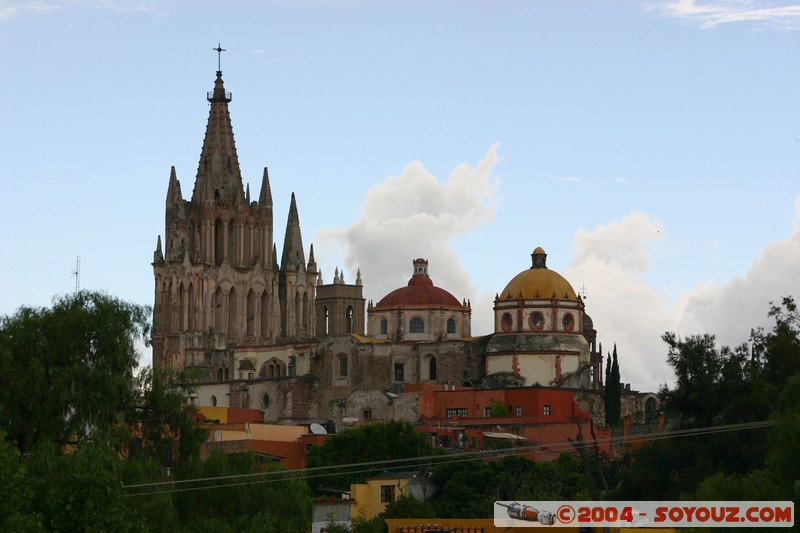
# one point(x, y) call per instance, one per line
point(217, 281)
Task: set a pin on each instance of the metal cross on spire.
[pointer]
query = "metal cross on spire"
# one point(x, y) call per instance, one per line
point(219, 51)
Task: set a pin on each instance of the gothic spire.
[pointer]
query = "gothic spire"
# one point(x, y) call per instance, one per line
point(293, 258)
point(219, 180)
point(265, 198)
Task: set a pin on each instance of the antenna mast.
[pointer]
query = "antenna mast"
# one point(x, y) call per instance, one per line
point(76, 273)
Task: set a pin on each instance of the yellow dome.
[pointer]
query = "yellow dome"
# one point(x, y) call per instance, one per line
point(538, 282)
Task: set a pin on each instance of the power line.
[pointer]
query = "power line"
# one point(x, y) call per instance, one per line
point(392, 464)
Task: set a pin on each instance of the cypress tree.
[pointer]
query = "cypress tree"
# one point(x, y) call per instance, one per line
point(612, 394)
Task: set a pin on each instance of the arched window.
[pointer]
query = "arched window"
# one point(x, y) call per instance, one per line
point(342, 365)
point(251, 313)
point(650, 413)
point(384, 326)
point(232, 259)
point(219, 311)
point(233, 312)
point(192, 326)
point(219, 242)
point(568, 322)
point(325, 318)
point(417, 325)
point(432, 369)
point(451, 326)
point(349, 319)
point(213, 401)
point(265, 400)
point(264, 315)
point(227, 374)
point(219, 375)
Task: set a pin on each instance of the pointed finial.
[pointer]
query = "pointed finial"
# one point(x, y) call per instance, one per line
point(247, 194)
point(358, 278)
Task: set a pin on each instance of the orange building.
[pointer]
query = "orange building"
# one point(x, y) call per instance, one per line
point(542, 418)
point(240, 431)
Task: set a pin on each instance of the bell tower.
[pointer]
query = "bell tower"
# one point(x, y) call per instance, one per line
point(217, 282)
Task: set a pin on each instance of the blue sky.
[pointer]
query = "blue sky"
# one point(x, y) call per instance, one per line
point(650, 147)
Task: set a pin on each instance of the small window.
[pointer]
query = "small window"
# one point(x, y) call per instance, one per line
point(399, 371)
point(219, 375)
point(384, 326)
point(460, 412)
point(213, 401)
point(241, 375)
point(518, 412)
point(342, 366)
point(546, 410)
point(536, 321)
point(451, 326)
point(569, 322)
point(487, 412)
point(250, 375)
point(417, 325)
point(432, 370)
point(265, 400)
point(367, 414)
point(387, 493)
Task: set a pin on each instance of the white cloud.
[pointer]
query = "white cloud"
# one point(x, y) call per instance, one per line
point(415, 215)
point(612, 260)
point(572, 179)
point(715, 13)
point(10, 10)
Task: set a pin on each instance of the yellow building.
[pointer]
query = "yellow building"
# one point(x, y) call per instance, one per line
point(372, 497)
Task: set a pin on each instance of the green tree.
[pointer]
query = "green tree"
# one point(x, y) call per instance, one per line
point(67, 370)
point(783, 460)
point(80, 491)
point(464, 489)
point(409, 507)
point(367, 444)
point(723, 386)
point(162, 423)
point(16, 492)
point(271, 503)
point(469, 489)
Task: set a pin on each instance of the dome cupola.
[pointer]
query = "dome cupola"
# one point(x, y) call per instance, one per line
point(538, 282)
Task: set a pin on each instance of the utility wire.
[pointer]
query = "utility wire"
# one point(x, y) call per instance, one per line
point(392, 464)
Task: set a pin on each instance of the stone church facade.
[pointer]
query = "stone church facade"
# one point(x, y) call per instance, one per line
point(268, 333)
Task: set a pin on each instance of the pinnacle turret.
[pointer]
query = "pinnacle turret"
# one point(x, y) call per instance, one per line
point(265, 198)
point(312, 264)
point(174, 196)
point(293, 257)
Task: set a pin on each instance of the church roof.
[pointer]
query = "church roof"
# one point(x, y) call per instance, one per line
point(538, 282)
point(420, 291)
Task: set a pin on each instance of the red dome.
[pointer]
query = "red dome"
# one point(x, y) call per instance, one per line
point(420, 291)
